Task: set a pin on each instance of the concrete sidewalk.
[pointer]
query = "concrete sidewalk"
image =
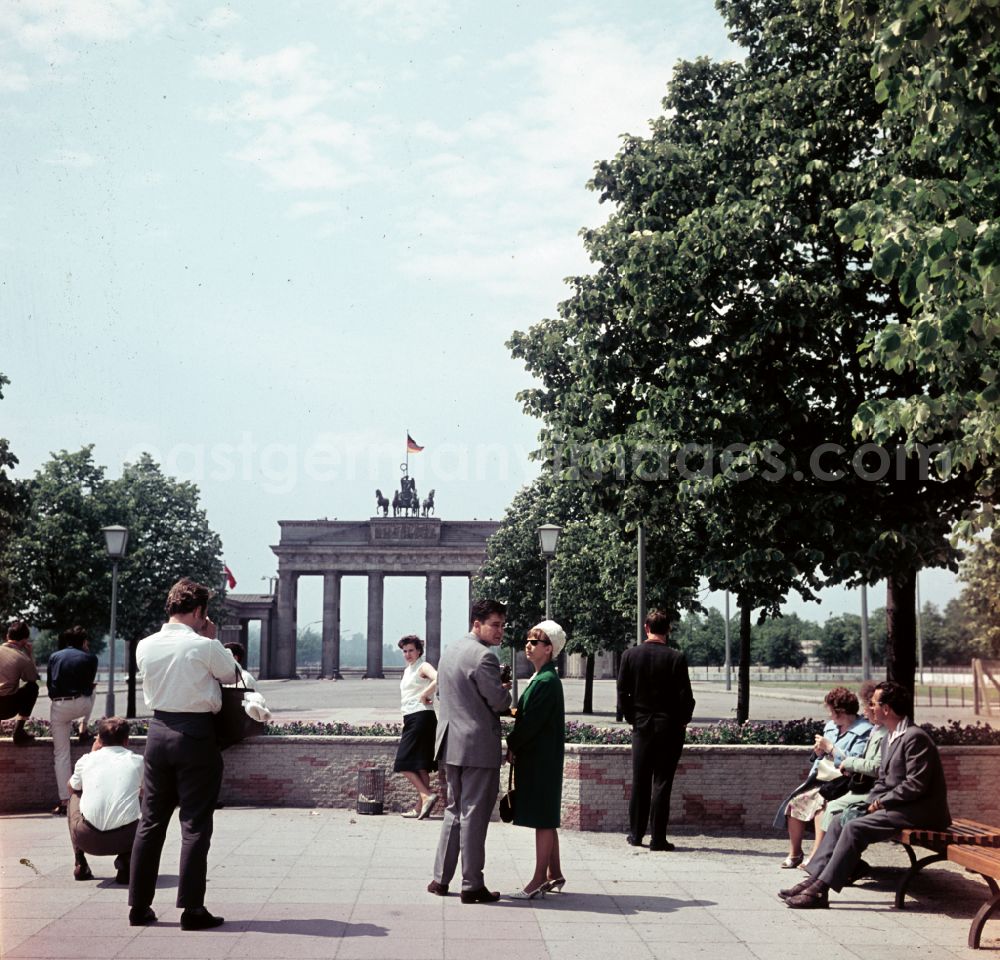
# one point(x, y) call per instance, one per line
point(300, 884)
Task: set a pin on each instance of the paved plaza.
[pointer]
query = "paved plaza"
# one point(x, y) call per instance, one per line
point(297, 884)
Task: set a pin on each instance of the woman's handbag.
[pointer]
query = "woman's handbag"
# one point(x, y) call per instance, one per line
point(835, 788)
point(232, 722)
point(507, 800)
point(826, 770)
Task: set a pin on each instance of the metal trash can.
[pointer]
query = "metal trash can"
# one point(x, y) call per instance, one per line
point(371, 790)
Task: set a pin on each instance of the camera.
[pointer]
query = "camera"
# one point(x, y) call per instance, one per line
point(505, 673)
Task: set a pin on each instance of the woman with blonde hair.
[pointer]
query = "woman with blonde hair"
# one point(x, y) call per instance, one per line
point(535, 747)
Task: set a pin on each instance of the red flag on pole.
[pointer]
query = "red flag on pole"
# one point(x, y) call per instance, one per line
point(230, 579)
point(412, 446)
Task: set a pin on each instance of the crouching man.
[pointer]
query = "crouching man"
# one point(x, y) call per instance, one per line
point(910, 792)
point(103, 808)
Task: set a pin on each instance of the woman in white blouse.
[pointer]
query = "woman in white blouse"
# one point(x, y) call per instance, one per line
point(415, 756)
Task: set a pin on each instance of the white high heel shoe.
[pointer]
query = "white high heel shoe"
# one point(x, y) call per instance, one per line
point(539, 891)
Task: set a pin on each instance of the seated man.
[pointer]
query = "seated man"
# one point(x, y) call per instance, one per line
point(910, 792)
point(104, 804)
point(18, 680)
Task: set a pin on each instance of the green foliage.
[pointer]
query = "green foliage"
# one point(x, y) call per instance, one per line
point(61, 572)
point(13, 509)
point(840, 639)
point(779, 641)
point(979, 603)
point(702, 639)
point(930, 226)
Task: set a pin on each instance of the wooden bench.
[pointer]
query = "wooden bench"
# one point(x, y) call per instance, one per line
point(975, 846)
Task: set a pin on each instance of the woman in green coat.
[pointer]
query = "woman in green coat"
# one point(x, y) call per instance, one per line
point(535, 747)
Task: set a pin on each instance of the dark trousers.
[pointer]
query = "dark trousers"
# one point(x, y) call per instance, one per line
point(99, 843)
point(656, 748)
point(844, 843)
point(19, 704)
point(182, 769)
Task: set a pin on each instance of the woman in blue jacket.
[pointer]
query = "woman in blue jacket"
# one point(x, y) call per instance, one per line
point(845, 735)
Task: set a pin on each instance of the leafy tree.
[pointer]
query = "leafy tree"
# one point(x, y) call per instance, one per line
point(779, 642)
point(840, 639)
point(932, 229)
point(713, 351)
point(62, 574)
point(980, 598)
point(702, 639)
point(12, 515)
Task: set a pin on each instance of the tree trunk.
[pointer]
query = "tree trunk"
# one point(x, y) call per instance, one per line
point(743, 688)
point(619, 716)
point(901, 622)
point(588, 685)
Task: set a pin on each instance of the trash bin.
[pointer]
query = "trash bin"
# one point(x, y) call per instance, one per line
point(371, 790)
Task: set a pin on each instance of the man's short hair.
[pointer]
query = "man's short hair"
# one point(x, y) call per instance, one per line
point(482, 610)
point(415, 640)
point(18, 630)
point(659, 621)
point(238, 651)
point(186, 596)
point(73, 637)
point(896, 697)
point(113, 731)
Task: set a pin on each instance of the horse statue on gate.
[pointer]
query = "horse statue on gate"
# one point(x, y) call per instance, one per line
point(381, 503)
point(428, 506)
point(406, 500)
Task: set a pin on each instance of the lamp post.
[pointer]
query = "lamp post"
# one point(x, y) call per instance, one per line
point(548, 537)
point(115, 540)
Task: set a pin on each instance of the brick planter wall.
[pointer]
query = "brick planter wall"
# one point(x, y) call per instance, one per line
point(717, 787)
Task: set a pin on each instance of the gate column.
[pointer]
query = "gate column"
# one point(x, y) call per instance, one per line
point(376, 583)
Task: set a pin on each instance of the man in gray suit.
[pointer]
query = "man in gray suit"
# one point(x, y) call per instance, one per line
point(468, 745)
point(910, 792)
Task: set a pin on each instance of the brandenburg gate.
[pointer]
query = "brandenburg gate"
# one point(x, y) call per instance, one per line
point(376, 548)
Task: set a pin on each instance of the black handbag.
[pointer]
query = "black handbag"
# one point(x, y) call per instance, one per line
point(507, 800)
point(835, 788)
point(232, 722)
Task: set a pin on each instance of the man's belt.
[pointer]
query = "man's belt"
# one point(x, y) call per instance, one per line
point(72, 696)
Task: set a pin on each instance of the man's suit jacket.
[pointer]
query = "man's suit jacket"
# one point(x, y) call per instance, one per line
point(653, 681)
point(911, 784)
point(471, 700)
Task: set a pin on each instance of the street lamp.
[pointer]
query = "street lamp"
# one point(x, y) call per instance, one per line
point(548, 537)
point(115, 540)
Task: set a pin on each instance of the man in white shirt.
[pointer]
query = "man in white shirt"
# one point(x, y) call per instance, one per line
point(103, 808)
point(181, 669)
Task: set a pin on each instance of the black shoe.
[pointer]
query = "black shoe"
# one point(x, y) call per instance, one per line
point(22, 738)
point(482, 895)
point(817, 897)
point(439, 889)
point(198, 918)
point(141, 917)
point(633, 841)
point(797, 889)
point(59, 810)
point(81, 871)
point(662, 845)
point(123, 862)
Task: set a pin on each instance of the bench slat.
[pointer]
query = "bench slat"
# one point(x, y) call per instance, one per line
point(982, 860)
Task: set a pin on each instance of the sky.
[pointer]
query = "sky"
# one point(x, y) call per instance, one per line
point(264, 241)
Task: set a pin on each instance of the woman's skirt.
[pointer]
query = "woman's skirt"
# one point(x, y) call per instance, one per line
point(804, 806)
point(416, 743)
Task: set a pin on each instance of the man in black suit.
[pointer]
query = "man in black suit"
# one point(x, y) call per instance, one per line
point(654, 695)
point(910, 792)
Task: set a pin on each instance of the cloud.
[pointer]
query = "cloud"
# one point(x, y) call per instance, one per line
point(514, 180)
point(13, 77)
point(221, 18)
point(284, 115)
point(50, 28)
point(409, 20)
point(70, 158)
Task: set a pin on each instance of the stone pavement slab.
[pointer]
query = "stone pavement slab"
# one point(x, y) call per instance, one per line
point(302, 884)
